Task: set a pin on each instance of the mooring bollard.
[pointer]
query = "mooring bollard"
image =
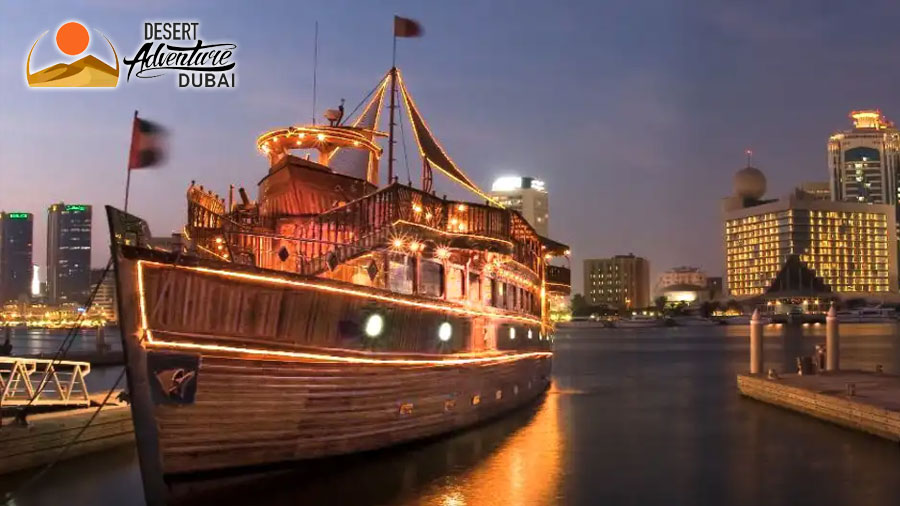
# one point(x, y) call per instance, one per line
point(756, 343)
point(101, 339)
point(832, 341)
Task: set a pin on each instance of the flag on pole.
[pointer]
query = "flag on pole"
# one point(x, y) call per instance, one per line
point(147, 144)
point(405, 27)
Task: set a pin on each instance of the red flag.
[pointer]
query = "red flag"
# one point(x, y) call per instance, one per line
point(405, 27)
point(147, 144)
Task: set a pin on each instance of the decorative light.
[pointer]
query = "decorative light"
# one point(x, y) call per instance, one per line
point(414, 246)
point(529, 334)
point(321, 137)
point(428, 215)
point(417, 208)
point(326, 287)
point(301, 135)
point(512, 332)
point(461, 207)
point(445, 331)
point(397, 243)
point(374, 325)
point(219, 240)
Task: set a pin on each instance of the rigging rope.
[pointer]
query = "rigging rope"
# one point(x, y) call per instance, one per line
point(403, 141)
point(361, 102)
point(60, 354)
point(67, 341)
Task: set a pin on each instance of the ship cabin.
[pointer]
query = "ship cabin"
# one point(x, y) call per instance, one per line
point(322, 212)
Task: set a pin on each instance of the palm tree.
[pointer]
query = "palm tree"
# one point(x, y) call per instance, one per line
point(660, 303)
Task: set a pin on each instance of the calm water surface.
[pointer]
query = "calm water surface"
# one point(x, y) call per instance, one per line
point(634, 417)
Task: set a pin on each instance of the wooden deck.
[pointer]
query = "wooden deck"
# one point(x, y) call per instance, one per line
point(875, 407)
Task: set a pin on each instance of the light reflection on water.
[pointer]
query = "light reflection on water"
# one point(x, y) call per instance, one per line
point(635, 416)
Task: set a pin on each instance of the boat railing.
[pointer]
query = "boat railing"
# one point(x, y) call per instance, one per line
point(354, 228)
point(43, 382)
point(372, 215)
point(558, 279)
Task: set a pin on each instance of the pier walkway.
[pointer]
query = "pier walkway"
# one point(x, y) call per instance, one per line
point(860, 400)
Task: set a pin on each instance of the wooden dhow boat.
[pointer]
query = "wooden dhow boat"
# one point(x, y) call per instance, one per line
point(332, 315)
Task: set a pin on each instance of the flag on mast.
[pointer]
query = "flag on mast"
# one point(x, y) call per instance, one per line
point(148, 144)
point(405, 27)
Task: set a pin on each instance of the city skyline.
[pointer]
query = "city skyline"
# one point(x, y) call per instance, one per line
point(644, 106)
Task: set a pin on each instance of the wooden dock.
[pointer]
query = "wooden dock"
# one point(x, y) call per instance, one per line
point(864, 401)
point(46, 434)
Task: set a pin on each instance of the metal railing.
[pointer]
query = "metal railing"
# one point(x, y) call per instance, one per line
point(43, 382)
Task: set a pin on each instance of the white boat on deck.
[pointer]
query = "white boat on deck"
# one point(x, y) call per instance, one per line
point(583, 323)
point(745, 320)
point(867, 315)
point(638, 321)
point(693, 321)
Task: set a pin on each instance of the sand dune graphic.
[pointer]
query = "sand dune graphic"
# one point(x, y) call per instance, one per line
point(88, 72)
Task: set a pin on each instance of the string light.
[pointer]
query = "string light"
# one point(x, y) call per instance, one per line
point(327, 287)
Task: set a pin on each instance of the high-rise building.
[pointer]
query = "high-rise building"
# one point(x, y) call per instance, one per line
point(16, 233)
point(801, 244)
point(105, 299)
point(526, 195)
point(864, 161)
point(817, 190)
point(68, 253)
point(622, 281)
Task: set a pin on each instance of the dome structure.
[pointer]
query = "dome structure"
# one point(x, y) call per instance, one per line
point(750, 183)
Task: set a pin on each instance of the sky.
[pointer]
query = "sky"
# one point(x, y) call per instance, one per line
point(635, 113)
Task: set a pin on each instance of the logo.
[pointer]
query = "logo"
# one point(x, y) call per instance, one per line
point(174, 382)
point(173, 377)
point(176, 48)
point(72, 39)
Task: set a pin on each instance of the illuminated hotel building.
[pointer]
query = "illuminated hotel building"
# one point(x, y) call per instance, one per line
point(526, 195)
point(68, 253)
point(850, 246)
point(622, 281)
point(16, 231)
point(864, 162)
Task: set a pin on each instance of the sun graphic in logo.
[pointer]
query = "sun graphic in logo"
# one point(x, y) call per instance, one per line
point(72, 39)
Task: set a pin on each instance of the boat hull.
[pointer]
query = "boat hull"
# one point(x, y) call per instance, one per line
point(233, 367)
point(249, 412)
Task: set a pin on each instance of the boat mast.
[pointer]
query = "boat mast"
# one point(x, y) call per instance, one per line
point(393, 106)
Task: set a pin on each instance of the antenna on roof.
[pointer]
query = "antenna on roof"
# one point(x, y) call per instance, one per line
point(749, 153)
point(315, 70)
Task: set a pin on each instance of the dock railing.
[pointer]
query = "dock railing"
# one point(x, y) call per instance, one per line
point(43, 382)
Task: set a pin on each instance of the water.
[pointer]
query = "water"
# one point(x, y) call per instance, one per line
point(636, 417)
point(46, 342)
point(33, 341)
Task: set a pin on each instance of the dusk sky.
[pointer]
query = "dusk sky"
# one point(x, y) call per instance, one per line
point(635, 113)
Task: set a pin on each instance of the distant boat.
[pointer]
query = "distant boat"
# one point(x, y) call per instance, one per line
point(639, 321)
point(693, 321)
point(867, 315)
point(745, 320)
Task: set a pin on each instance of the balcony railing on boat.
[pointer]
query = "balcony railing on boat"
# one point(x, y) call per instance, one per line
point(43, 382)
point(558, 279)
point(356, 227)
